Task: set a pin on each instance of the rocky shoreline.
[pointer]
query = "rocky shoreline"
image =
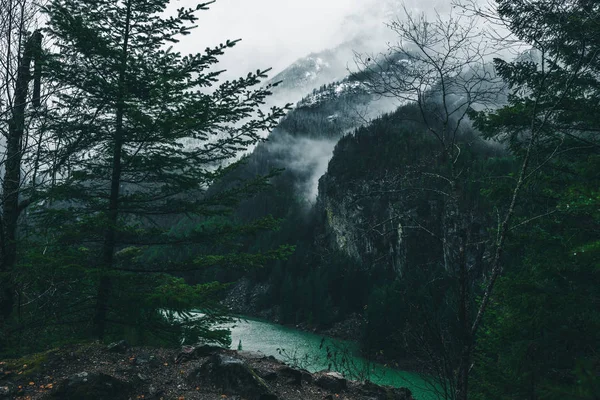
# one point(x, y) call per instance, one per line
point(120, 372)
point(242, 299)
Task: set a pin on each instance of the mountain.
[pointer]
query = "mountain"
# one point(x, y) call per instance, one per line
point(302, 144)
point(355, 195)
point(319, 67)
point(315, 70)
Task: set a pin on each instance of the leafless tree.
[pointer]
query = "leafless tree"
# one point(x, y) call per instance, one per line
point(443, 68)
point(20, 100)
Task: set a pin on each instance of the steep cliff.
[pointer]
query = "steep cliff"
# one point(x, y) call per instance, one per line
point(383, 197)
point(374, 195)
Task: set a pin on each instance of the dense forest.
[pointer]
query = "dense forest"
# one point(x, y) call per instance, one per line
point(444, 195)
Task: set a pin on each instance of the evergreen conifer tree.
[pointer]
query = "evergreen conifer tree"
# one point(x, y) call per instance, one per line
point(144, 131)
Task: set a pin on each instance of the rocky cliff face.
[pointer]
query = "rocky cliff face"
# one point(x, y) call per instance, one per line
point(372, 200)
point(384, 198)
point(370, 233)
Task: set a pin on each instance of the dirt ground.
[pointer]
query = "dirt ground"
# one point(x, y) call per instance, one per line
point(154, 373)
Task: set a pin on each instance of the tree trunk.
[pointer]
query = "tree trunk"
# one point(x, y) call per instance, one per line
point(462, 377)
point(458, 234)
point(462, 381)
point(12, 175)
point(108, 248)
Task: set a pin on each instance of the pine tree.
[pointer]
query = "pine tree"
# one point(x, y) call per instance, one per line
point(144, 131)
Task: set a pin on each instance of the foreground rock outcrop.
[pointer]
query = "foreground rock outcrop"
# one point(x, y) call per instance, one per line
point(97, 372)
point(84, 385)
point(233, 376)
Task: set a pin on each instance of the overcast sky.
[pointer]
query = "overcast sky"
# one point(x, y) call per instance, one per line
point(275, 33)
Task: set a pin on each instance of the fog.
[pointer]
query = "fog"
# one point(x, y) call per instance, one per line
point(308, 157)
point(275, 33)
point(305, 157)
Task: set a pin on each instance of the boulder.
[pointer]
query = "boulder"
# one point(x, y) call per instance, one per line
point(189, 353)
point(233, 377)
point(118, 347)
point(141, 378)
point(91, 386)
point(268, 375)
point(385, 392)
point(7, 391)
point(144, 359)
point(332, 381)
point(296, 376)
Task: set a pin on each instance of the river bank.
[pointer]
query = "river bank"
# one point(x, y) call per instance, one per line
point(243, 299)
point(316, 352)
point(119, 372)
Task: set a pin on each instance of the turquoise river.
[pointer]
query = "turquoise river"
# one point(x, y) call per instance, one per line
point(310, 351)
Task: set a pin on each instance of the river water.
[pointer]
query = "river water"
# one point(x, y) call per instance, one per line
point(310, 351)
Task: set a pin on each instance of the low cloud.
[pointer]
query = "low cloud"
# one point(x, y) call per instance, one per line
point(307, 158)
point(275, 33)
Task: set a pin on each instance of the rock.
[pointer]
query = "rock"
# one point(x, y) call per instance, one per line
point(268, 375)
point(233, 377)
point(91, 386)
point(153, 362)
point(124, 369)
point(296, 376)
point(7, 391)
point(154, 393)
point(188, 353)
point(332, 381)
point(377, 392)
point(142, 377)
point(146, 359)
point(118, 347)
point(401, 394)
point(256, 355)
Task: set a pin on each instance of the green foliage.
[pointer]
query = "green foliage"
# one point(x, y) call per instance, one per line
point(541, 334)
point(141, 132)
point(544, 322)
